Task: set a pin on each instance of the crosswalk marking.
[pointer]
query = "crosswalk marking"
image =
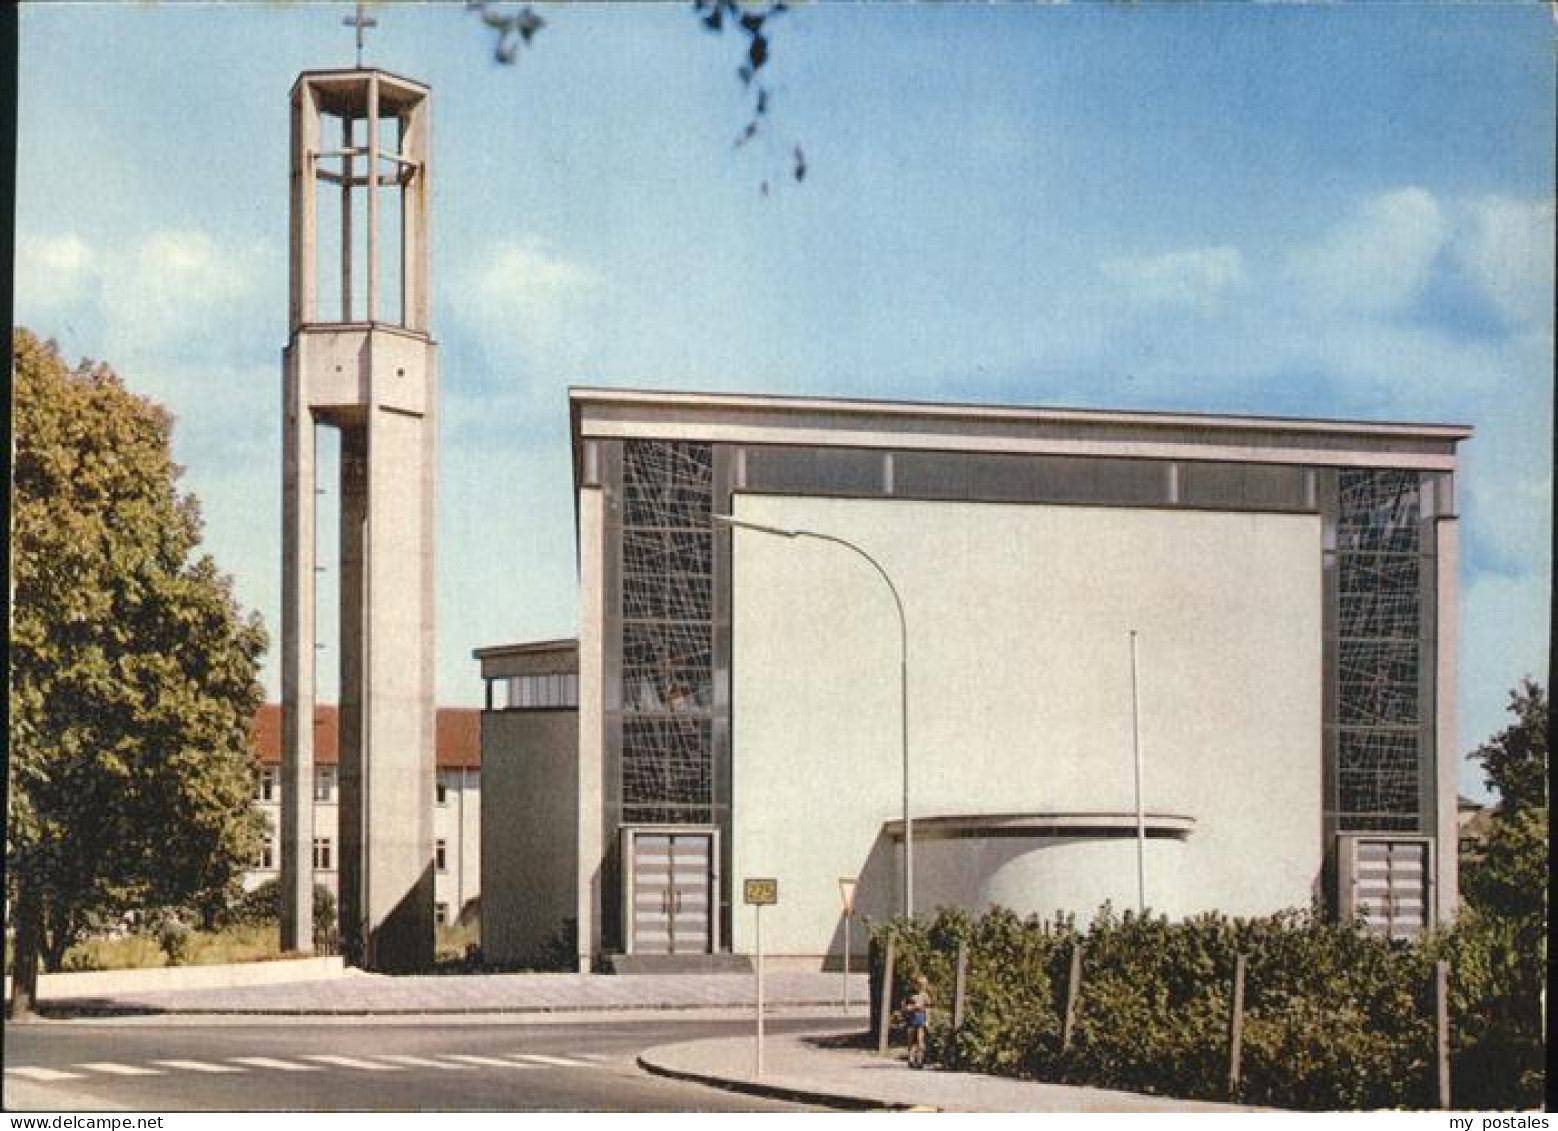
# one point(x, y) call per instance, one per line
point(42, 1075)
point(349, 1062)
point(484, 1061)
point(273, 1062)
point(197, 1066)
point(556, 1061)
point(113, 1069)
point(379, 1062)
point(420, 1061)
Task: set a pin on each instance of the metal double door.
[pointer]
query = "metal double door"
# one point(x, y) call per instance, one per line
point(1390, 885)
point(670, 897)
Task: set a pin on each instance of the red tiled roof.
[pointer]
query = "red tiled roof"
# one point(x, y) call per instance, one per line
point(458, 731)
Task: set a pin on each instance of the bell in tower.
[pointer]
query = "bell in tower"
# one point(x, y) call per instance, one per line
point(359, 359)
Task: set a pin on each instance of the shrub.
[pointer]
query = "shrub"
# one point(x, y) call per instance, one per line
point(1335, 1018)
point(262, 906)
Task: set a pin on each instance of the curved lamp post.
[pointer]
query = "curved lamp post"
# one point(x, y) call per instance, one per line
point(903, 679)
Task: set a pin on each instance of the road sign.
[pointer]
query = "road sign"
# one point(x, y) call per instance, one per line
point(760, 892)
point(847, 885)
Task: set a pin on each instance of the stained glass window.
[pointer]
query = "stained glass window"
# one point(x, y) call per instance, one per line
point(667, 632)
point(1379, 628)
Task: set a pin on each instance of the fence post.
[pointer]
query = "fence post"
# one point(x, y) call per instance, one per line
point(885, 1011)
point(959, 987)
point(1236, 1028)
point(1442, 1027)
point(1073, 991)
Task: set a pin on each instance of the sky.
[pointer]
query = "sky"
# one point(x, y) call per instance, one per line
point(1341, 211)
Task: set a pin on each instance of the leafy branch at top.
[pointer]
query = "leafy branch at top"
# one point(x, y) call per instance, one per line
point(513, 31)
point(516, 29)
point(751, 21)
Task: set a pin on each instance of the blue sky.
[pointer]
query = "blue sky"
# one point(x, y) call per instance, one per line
point(1342, 211)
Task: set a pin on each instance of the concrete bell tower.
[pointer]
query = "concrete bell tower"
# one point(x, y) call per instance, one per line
point(359, 359)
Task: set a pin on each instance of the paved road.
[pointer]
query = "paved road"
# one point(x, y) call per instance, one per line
point(435, 1064)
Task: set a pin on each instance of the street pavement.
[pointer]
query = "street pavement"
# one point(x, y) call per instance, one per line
point(423, 1064)
point(647, 1042)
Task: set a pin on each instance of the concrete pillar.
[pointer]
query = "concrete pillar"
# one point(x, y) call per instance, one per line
point(377, 383)
point(592, 722)
point(1446, 741)
point(296, 831)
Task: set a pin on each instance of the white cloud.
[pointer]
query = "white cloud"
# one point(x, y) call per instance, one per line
point(1377, 260)
point(526, 299)
point(1505, 246)
point(52, 272)
point(1506, 480)
point(1196, 277)
point(164, 297)
point(170, 286)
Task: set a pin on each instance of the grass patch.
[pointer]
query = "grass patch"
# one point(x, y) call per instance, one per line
point(203, 948)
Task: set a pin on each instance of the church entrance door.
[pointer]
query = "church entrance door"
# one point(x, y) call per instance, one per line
point(671, 888)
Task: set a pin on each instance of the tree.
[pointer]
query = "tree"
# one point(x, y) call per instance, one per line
point(1500, 963)
point(1514, 761)
point(751, 19)
point(132, 671)
point(1508, 875)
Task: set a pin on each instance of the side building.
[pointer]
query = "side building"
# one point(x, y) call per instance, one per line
point(456, 806)
point(1189, 661)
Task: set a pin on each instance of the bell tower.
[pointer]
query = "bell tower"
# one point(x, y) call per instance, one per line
point(359, 359)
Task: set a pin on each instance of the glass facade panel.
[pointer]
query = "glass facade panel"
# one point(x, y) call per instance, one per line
point(1003, 478)
point(930, 475)
point(534, 692)
point(1379, 611)
point(667, 632)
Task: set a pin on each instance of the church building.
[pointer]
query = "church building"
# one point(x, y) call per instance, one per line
point(970, 655)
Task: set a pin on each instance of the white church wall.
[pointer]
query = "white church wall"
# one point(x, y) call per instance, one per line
point(1020, 703)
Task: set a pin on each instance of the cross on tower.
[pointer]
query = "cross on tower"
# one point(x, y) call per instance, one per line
point(360, 20)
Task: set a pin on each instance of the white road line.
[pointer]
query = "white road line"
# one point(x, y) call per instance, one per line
point(43, 1075)
point(197, 1066)
point(350, 1062)
point(419, 1061)
point(272, 1062)
point(484, 1061)
point(557, 1061)
point(113, 1069)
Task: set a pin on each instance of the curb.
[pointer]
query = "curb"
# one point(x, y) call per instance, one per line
point(775, 1091)
point(65, 1010)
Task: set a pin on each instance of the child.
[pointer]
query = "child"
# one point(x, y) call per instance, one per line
point(916, 1007)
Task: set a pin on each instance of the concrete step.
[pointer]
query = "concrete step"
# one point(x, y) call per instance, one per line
point(679, 964)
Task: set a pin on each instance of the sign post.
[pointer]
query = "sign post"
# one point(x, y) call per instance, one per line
point(847, 886)
point(760, 893)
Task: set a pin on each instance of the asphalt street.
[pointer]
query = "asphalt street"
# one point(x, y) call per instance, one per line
point(363, 1065)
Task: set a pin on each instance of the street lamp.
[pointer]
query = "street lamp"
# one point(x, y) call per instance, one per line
point(903, 679)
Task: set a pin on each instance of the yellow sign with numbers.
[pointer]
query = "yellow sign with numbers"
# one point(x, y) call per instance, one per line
point(761, 892)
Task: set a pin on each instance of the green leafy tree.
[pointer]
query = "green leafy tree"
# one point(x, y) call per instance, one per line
point(1501, 946)
point(1507, 876)
point(132, 671)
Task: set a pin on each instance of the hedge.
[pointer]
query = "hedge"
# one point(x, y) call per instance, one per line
point(1334, 1018)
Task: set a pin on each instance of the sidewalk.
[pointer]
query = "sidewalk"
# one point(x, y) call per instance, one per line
point(798, 1068)
point(352, 992)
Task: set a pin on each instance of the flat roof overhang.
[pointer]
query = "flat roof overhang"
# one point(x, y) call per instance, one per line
point(759, 419)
